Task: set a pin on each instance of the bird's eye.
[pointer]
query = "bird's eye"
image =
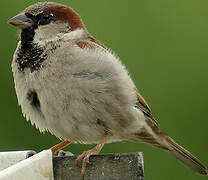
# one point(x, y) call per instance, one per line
point(45, 18)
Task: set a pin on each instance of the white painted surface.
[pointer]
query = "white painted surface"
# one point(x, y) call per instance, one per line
point(10, 158)
point(37, 167)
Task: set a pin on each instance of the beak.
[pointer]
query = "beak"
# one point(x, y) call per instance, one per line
point(21, 21)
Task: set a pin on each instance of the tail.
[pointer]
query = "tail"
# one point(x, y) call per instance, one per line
point(186, 157)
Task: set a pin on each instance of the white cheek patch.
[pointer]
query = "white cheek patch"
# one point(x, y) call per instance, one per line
point(75, 35)
point(50, 32)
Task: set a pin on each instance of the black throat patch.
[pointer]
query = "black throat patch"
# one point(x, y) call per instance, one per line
point(30, 55)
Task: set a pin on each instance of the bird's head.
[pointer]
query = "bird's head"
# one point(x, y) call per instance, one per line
point(45, 21)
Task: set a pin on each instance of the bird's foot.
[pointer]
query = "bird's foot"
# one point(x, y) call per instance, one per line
point(84, 157)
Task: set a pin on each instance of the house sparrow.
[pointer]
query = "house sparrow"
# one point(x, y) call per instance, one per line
point(70, 84)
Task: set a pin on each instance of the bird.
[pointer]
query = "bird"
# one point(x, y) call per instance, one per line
point(70, 84)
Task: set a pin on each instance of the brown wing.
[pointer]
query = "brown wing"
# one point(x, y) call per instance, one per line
point(143, 106)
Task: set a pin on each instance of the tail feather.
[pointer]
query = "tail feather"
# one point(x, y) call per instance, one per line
point(186, 157)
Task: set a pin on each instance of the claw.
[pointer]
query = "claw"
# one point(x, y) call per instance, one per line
point(85, 159)
point(79, 158)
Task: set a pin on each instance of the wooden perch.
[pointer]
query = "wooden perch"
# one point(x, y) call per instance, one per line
point(102, 167)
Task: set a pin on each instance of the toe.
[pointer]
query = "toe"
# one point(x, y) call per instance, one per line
point(79, 158)
point(83, 170)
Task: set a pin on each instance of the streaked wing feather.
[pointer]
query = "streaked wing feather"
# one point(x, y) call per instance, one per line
point(143, 106)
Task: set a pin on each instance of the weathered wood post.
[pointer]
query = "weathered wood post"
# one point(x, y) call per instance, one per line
point(103, 167)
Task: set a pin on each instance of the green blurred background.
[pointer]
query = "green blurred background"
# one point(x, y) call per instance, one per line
point(163, 43)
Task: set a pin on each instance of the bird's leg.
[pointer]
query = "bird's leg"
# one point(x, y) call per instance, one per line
point(55, 149)
point(86, 154)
